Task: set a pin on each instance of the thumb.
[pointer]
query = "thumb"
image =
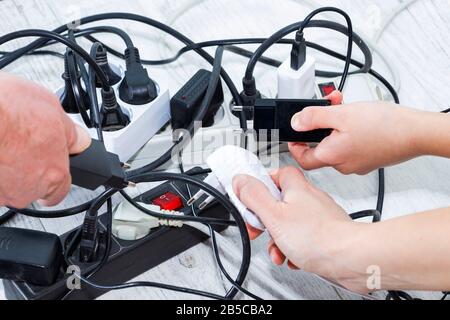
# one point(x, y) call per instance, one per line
point(313, 118)
point(79, 141)
point(336, 98)
point(257, 198)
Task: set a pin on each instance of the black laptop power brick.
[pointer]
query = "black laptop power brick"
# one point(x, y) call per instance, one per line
point(128, 259)
point(189, 98)
point(30, 256)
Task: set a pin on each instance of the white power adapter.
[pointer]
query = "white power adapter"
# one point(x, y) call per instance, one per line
point(130, 224)
point(230, 161)
point(297, 84)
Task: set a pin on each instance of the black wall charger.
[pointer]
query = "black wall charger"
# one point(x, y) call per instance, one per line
point(31, 256)
point(272, 119)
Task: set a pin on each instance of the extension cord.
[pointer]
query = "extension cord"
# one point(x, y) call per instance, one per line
point(126, 258)
point(145, 121)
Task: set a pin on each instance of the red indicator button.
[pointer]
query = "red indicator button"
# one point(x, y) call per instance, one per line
point(327, 88)
point(169, 201)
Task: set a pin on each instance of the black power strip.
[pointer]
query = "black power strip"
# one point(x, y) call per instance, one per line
point(128, 259)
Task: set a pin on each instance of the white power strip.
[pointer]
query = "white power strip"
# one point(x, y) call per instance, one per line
point(225, 131)
point(145, 121)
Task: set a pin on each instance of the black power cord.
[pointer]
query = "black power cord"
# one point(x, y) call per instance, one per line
point(7, 216)
point(199, 116)
point(250, 92)
point(10, 57)
point(215, 246)
point(57, 37)
point(156, 177)
point(13, 56)
point(245, 241)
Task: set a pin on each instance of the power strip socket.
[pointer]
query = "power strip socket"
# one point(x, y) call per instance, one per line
point(128, 259)
point(145, 120)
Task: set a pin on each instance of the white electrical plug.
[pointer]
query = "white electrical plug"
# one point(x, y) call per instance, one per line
point(230, 161)
point(130, 223)
point(297, 84)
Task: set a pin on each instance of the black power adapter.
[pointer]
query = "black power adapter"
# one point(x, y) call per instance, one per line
point(137, 88)
point(189, 98)
point(272, 119)
point(31, 256)
point(97, 167)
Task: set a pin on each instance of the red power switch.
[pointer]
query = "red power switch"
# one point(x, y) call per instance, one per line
point(327, 88)
point(168, 201)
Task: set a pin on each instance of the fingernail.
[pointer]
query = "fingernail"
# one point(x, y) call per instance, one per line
point(83, 140)
point(297, 122)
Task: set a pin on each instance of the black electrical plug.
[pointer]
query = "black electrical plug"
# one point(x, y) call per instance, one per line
point(89, 238)
point(136, 88)
point(101, 57)
point(70, 99)
point(249, 96)
point(298, 52)
point(113, 118)
point(97, 167)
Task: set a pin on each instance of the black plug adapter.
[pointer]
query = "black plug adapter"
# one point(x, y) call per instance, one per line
point(101, 57)
point(248, 96)
point(136, 88)
point(113, 117)
point(273, 117)
point(89, 238)
point(189, 98)
point(97, 167)
point(298, 52)
point(68, 97)
point(31, 256)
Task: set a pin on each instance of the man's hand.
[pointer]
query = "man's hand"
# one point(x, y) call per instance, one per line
point(36, 139)
point(307, 227)
point(366, 136)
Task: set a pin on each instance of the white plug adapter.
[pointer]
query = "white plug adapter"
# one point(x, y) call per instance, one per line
point(145, 121)
point(297, 84)
point(230, 161)
point(130, 224)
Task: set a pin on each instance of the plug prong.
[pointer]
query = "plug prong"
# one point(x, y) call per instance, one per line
point(197, 196)
point(205, 203)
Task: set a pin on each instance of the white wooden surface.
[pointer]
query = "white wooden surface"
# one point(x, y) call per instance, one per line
point(417, 42)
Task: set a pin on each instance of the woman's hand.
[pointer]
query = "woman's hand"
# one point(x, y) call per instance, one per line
point(308, 228)
point(366, 136)
point(36, 139)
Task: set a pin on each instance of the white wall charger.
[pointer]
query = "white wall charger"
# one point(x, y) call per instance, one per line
point(297, 84)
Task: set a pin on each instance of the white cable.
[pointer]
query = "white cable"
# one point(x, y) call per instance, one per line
point(373, 43)
point(390, 18)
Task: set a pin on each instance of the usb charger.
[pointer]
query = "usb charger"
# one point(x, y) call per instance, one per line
point(272, 120)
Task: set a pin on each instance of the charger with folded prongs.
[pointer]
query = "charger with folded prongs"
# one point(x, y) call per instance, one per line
point(96, 167)
point(272, 120)
point(29, 255)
